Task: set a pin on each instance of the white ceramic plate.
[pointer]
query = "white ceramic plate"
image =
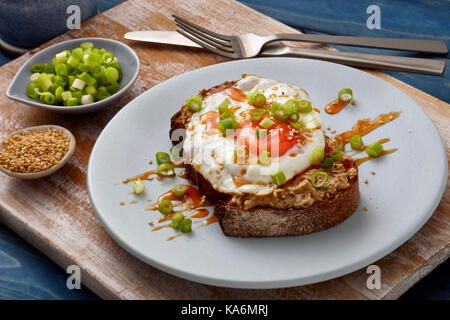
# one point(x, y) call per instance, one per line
point(400, 198)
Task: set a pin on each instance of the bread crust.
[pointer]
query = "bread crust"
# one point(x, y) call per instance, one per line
point(270, 222)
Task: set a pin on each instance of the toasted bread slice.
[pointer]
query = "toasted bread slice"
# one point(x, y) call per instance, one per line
point(239, 220)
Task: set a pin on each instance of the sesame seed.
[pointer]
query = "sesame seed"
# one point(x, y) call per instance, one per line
point(366, 181)
point(373, 173)
point(34, 151)
point(366, 209)
point(333, 131)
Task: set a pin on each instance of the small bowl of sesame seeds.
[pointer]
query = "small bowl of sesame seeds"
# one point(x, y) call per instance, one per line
point(36, 152)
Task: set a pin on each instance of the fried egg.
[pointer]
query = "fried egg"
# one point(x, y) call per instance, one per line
point(231, 162)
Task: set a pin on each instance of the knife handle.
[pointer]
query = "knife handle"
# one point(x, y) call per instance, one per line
point(362, 60)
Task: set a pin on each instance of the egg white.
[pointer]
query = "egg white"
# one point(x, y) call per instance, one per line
point(212, 155)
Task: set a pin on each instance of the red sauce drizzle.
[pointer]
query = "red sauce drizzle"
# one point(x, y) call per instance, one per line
point(336, 106)
point(236, 94)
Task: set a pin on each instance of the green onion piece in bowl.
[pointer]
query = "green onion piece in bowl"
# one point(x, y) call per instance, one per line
point(304, 106)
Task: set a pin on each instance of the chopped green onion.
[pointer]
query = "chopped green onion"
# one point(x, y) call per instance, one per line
point(65, 95)
point(87, 45)
point(78, 84)
point(294, 117)
point(87, 79)
point(179, 190)
point(86, 99)
point(138, 186)
point(356, 142)
point(257, 114)
point(48, 98)
point(337, 155)
point(113, 87)
point(31, 92)
point(165, 206)
point(304, 106)
point(316, 156)
point(264, 158)
point(279, 178)
point(107, 58)
point(175, 153)
point(186, 225)
point(90, 90)
point(327, 162)
point(166, 170)
point(58, 93)
point(102, 94)
point(256, 98)
point(162, 157)
point(345, 95)
point(275, 106)
point(316, 174)
point(296, 125)
point(261, 133)
point(176, 219)
point(77, 94)
point(227, 124)
point(44, 81)
point(36, 68)
point(195, 103)
point(290, 106)
point(72, 61)
point(34, 77)
point(61, 69)
point(46, 68)
point(266, 123)
point(111, 74)
point(280, 115)
point(226, 114)
point(61, 57)
point(223, 107)
point(374, 149)
point(71, 102)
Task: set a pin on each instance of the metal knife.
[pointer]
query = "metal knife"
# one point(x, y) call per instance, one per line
point(362, 60)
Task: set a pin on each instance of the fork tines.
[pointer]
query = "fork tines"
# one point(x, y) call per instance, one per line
point(216, 42)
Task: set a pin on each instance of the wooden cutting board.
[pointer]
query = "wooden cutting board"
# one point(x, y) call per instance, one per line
point(54, 213)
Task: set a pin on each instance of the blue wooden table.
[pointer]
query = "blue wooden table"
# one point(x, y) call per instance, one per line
point(27, 274)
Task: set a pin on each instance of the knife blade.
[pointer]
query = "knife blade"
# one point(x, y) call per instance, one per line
point(165, 37)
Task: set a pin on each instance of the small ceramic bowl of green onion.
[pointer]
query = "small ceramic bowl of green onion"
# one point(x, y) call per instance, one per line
point(76, 76)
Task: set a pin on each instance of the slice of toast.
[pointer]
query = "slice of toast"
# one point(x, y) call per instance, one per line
point(262, 221)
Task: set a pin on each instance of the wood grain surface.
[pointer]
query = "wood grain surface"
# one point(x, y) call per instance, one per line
point(54, 213)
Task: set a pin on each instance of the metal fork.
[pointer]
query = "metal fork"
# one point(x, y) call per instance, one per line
point(250, 45)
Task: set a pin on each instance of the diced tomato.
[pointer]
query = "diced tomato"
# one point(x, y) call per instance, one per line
point(279, 140)
point(211, 119)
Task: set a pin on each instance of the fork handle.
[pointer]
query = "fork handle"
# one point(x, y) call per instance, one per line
point(424, 46)
point(362, 60)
